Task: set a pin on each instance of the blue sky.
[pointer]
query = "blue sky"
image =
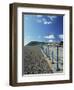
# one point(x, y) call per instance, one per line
point(43, 28)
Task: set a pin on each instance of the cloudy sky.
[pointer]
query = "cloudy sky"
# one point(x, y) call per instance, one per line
point(45, 28)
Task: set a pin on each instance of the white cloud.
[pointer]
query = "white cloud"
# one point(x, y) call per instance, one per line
point(47, 22)
point(61, 36)
point(43, 20)
point(50, 40)
point(52, 17)
point(50, 36)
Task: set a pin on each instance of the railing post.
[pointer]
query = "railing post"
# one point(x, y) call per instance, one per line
point(48, 51)
point(58, 69)
point(52, 58)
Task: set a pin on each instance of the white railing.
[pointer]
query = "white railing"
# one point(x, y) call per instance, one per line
point(55, 54)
